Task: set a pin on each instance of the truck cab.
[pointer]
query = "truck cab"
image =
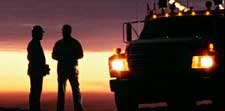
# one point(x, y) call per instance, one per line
point(178, 58)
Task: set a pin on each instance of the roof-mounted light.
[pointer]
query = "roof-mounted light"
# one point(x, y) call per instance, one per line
point(219, 4)
point(179, 14)
point(167, 15)
point(193, 13)
point(154, 16)
point(207, 13)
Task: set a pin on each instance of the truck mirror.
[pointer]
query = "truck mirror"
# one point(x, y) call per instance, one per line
point(129, 32)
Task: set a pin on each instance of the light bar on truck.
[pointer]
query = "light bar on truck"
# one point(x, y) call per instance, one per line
point(207, 13)
point(154, 16)
point(179, 14)
point(193, 13)
point(179, 5)
point(167, 14)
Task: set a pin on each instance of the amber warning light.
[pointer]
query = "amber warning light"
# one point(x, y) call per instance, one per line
point(211, 47)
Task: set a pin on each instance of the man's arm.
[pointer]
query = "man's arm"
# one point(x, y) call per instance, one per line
point(55, 52)
point(80, 51)
point(34, 55)
point(31, 53)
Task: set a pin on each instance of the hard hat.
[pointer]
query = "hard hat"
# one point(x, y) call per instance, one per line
point(37, 28)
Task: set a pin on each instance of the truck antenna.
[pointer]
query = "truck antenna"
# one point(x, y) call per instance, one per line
point(148, 8)
point(154, 6)
point(136, 10)
point(187, 3)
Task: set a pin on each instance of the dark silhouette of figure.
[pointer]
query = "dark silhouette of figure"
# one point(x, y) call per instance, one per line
point(67, 51)
point(36, 67)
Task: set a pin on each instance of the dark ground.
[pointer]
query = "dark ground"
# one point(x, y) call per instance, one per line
point(91, 101)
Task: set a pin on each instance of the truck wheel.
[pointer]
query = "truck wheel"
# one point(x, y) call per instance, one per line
point(125, 102)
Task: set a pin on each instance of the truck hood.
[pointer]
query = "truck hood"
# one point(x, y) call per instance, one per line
point(164, 40)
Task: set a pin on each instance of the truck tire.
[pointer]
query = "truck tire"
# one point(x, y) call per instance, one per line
point(125, 102)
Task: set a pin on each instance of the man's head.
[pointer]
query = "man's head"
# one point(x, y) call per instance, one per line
point(66, 31)
point(37, 32)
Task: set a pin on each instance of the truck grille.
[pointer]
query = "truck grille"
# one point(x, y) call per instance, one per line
point(158, 57)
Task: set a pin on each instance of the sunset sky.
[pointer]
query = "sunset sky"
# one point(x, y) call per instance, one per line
point(97, 24)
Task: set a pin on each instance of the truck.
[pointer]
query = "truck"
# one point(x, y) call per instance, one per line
point(178, 58)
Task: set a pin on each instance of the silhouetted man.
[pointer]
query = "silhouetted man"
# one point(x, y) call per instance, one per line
point(36, 67)
point(67, 51)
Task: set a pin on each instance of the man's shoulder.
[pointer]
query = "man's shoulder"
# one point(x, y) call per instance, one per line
point(75, 40)
point(32, 43)
point(72, 40)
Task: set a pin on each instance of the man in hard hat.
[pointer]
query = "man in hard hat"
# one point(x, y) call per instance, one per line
point(36, 67)
point(67, 51)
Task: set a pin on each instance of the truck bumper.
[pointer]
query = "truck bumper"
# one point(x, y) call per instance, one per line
point(200, 88)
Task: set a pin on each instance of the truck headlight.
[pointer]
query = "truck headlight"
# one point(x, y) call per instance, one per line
point(202, 62)
point(119, 64)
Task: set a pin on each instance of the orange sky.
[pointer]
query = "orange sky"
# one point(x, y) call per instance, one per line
point(96, 24)
point(93, 76)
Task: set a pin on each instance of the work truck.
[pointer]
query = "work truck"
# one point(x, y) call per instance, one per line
point(178, 58)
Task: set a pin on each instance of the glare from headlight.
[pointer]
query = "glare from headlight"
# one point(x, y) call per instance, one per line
point(119, 65)
point(206, 61)
point(202, 62)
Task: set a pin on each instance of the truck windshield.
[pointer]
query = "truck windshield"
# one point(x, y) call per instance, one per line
point(180, 27)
